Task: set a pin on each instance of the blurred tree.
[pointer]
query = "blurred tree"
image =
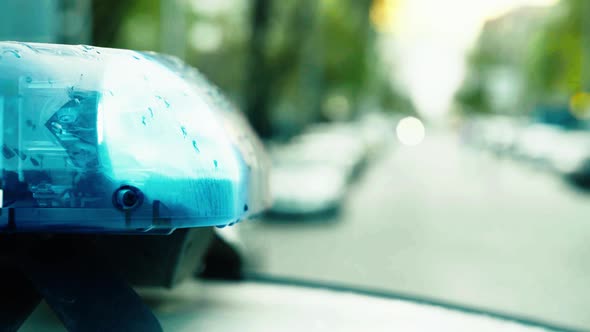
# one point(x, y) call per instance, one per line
point(309, 51)
point(283, 59)
point(259, 74)
point(284, 62)
point(348, 43)
point(107, 19)
point(555, 68)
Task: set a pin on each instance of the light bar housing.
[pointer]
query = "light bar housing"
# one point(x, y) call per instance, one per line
point(117, 141)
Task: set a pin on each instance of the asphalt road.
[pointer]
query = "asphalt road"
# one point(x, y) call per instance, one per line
point(445, 222)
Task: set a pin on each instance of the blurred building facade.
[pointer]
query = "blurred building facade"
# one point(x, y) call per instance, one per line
point(531, 59)
point(496, 80)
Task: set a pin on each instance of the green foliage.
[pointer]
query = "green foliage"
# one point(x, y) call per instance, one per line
point(140, 24)
point(346, 39)
point(292, 58)
point(472, 97)
point(547, 48)
point(555, 67)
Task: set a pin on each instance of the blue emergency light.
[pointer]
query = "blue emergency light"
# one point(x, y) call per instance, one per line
point(117, 141)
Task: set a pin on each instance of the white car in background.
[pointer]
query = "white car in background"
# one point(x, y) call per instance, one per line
point(306, 188)
point(311, 173)
point(570, 156)
point(346, 151)
point(536, 143)
point(500, 134)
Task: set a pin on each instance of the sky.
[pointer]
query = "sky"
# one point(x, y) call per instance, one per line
point(429, 40)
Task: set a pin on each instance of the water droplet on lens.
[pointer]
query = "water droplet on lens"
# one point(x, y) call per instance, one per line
point(7, 152)
point(13, 52)
point(22, 155)
point(29, 47)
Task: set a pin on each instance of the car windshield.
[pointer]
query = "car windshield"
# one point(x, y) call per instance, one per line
point(435, 149)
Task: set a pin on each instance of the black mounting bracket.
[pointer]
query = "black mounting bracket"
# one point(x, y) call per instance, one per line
point(78, 285)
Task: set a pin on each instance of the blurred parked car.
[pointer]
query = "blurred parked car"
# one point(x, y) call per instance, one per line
point(570, 157)
point(500, 134)
point(310, 173)
point(536, 142)
point(565, 152)
point(301, 189)
point(338, 147)
point(569, 151)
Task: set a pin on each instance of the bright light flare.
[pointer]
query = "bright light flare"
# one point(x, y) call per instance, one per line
point(410, 131)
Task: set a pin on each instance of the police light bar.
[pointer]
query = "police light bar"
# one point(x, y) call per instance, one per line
point(118, 141)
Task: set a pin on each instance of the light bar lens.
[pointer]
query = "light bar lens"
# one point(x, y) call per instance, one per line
point(106, 140)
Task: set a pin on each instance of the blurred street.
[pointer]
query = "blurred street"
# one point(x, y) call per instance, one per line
point(445, 222)
point(418, 147)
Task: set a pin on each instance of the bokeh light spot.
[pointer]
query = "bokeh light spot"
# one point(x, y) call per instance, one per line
point(410, 131)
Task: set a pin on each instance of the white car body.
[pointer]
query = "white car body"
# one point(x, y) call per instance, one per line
point(570, 151)
point(536, 142)
point(300, 189)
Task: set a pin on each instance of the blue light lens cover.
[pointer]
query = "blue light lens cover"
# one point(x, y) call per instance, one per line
point(107, 140)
